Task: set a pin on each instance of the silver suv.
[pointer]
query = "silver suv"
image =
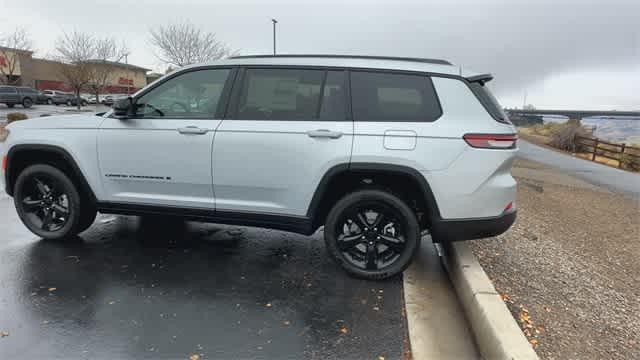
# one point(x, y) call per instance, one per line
point(377, 150)
point(13, 95)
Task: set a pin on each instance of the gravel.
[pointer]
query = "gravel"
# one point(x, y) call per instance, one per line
point(569, 268)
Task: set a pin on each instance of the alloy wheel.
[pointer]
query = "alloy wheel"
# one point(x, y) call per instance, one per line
point(45, 203)
point(371, 235)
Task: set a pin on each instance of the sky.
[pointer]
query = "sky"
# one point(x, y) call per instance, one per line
point(562, 54)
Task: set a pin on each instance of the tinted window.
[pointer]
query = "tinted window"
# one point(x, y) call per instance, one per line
point(193, 95)
point(380, 96)
point(7, 90)
point(490, 102)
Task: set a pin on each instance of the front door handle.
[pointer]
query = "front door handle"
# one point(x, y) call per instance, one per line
point(192, 130)
point(324, 133)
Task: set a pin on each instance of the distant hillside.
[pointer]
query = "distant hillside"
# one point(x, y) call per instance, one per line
point(623, 131)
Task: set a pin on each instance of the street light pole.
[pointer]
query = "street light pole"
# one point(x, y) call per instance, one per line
point(274, 35)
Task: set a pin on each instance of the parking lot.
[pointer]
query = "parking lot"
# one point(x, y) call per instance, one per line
point(40, 110)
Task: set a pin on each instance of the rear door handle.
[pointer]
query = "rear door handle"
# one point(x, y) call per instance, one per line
point(324, 133)
point(192, 130)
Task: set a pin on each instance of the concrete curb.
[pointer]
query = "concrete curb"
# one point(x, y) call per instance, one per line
point(496, 332)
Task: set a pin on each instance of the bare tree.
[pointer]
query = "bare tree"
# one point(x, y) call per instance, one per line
point(107, 54)
point(12, 45)
point(74, 52)
point(184, 44)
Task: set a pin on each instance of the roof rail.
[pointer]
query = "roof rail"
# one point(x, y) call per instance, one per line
point(421, 60)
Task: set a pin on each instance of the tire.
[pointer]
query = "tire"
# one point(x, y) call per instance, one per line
point(84, 103)
point(69, 103)
point(399, 223)
point(49, 102)
point(27, 103)
point(10, 106)
point(49, 203)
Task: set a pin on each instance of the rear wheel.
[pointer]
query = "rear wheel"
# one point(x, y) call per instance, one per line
point(372, 234)
point(69, 103)
point(49, 101)
point(11, 105)
point(49, 203)
point(26, 103)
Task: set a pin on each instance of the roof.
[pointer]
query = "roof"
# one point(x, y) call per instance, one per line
point(436, 66)
point(119, 64)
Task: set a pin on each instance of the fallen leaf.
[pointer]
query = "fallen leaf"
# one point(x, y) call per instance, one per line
point(375, 308)
point(3, 334)
point(194, 357)
point(533, 342)
point(111, 302)
point(344, 330)
point(286, 322)
point(268, 305)
point(380, 357)
point(547, 309)
point(52, 289)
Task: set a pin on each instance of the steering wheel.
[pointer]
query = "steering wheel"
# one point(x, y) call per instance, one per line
point(177, 106)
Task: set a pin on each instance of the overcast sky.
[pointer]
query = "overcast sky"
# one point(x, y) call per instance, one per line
point(562, 53)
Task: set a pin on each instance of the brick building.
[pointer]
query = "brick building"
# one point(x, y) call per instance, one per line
point(44, 74)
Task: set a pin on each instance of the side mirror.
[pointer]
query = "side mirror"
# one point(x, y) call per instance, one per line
point(122, 108)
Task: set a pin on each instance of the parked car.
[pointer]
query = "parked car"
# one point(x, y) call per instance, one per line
point(108, 100)
point(12, 95)
point(55, 97)
point(377, 150)
point(72, 100)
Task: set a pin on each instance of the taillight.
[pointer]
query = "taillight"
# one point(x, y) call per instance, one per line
point(491, 141)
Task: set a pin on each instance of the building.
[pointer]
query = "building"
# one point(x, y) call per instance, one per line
point(44, 74)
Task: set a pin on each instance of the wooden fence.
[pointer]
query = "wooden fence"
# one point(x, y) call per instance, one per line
point(605, 149)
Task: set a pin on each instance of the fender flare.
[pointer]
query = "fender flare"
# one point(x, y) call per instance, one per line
point(66, 156)
point(322, 188)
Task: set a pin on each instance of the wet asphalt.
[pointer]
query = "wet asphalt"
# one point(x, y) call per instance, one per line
point(161, 288)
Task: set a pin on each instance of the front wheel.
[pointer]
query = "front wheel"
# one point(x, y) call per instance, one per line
point(372, 234)
point(69, 103)
point(26, 103)
point(49, 204)
point(49, 102)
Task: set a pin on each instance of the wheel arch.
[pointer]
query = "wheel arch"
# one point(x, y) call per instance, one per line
point(22, 155)
point(343, 178)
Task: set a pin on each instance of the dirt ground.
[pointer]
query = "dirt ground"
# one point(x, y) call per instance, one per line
point(569, 268)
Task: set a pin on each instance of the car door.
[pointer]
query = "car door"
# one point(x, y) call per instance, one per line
point(162, 154)
point(286, 127)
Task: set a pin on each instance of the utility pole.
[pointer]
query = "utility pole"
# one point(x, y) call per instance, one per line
point(524, 101)
point(274, 35)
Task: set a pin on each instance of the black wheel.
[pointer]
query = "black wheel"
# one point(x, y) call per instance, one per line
point(84, 103)
point(372, 234)
point(11, 105)
point(49, 203)
point(69, 103)
point(49, 101)
point(26, 103)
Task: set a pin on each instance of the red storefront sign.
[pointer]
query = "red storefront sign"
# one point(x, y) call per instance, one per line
point(125, 81)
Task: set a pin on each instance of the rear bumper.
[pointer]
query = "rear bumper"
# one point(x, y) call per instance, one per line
point(469, 229)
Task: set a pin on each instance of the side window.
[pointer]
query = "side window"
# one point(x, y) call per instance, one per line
point(378, 96)
point(291, 94)
point(192, 95)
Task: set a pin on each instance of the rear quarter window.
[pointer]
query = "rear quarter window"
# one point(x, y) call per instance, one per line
point(489, 102)
point(389, 97)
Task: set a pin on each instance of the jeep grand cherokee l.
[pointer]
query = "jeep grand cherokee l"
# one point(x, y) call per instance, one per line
point(377, 150)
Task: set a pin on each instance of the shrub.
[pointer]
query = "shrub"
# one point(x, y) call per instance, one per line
point(11, 117)
point(563, 136)
point(630, 162)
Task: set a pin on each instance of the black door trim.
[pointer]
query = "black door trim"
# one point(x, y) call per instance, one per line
point(296, 224)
